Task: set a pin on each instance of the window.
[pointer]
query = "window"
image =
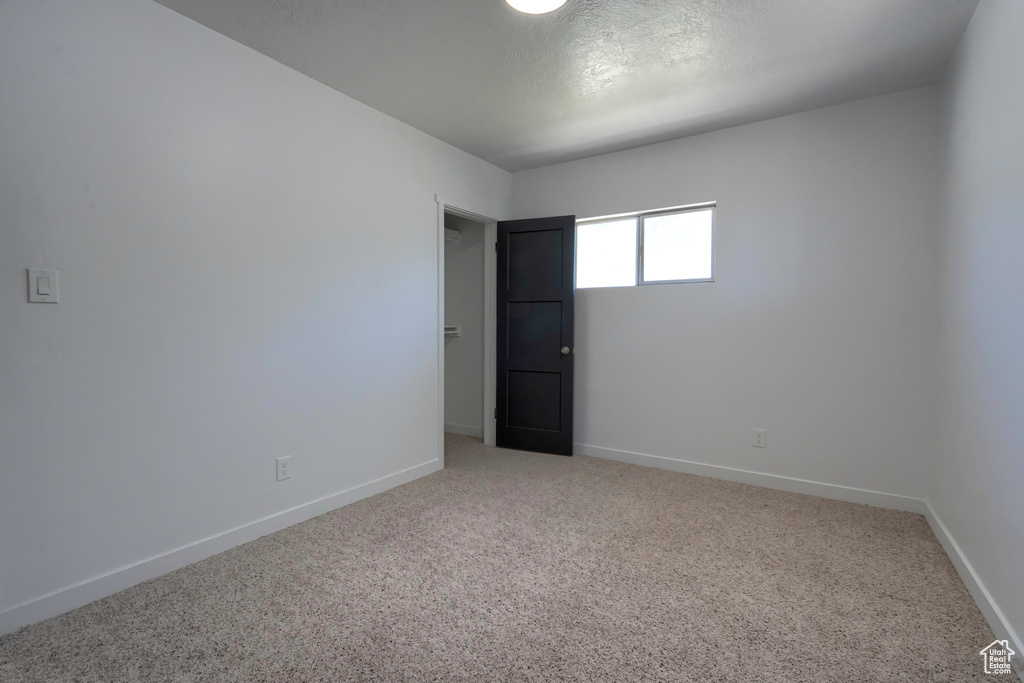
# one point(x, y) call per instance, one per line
point(654, 247)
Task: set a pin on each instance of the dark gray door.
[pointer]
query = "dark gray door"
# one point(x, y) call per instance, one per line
point(535, 334)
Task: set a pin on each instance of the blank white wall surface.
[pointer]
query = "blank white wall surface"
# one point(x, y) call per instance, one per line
point(464, 306)
point(820, 324)
point(977, 489)
point(248, 270)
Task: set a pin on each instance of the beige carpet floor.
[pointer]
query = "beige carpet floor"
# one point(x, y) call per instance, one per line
point(511, 566)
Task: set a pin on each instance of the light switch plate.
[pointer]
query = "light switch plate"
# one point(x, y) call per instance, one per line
point(43, 287)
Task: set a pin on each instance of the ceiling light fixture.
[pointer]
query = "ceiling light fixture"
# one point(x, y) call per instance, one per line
point(535, 6)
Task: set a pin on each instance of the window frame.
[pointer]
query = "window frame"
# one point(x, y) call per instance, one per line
point(640, 216)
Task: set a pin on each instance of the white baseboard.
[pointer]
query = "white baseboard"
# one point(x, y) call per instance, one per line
point(849, 494)
point(988, 606)
point(70, 597)
point(989, 609)
point(478, 432)
point(83, 593)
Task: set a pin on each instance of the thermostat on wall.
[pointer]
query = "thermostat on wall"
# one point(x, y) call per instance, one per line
point(42, 287)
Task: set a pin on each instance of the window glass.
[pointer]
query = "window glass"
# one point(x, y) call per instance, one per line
point(677, 246)
point(606, 254)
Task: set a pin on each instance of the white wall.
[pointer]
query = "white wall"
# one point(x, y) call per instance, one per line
point(464, 306)
point(979, 453)
point(248, 265)
point(820, 324)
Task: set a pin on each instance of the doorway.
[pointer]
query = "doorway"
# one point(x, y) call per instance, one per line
point(463, 326)
point(466, 322)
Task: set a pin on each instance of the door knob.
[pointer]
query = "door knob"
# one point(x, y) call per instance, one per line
point(565, 350)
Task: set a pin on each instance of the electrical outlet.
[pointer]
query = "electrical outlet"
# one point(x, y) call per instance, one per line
point(760, 438)
point(284, 468)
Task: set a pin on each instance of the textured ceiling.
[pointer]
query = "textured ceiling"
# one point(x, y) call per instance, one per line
point(597, 75)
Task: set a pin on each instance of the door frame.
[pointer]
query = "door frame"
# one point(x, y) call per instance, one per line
point(490, 263)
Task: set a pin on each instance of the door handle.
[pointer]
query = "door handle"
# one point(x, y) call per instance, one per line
point(565, 350)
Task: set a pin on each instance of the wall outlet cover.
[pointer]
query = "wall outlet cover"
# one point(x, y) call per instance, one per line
point(759, 438)
point(284, 468)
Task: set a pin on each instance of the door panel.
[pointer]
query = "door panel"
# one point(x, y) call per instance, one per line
point(534, 330)
point(535, 400)
point(535, 323)
point(535, 261)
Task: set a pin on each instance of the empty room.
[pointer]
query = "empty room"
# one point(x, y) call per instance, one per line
point(511, 340)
